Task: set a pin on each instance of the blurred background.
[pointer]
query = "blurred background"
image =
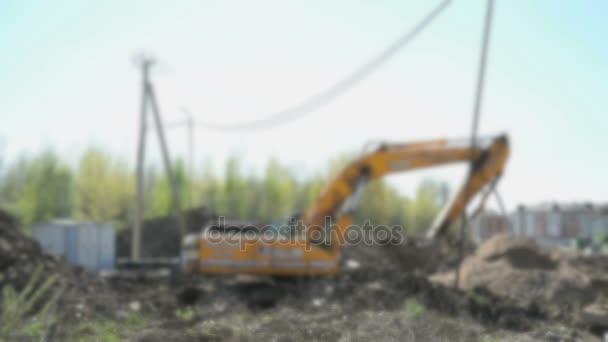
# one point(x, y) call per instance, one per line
point(71, 91)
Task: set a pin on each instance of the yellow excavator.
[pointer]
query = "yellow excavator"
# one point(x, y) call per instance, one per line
point(311, 244)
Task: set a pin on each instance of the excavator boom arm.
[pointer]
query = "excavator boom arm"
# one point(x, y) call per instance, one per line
point(337, 200)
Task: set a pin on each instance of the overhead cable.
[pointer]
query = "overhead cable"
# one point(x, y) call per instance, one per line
point(334, 91)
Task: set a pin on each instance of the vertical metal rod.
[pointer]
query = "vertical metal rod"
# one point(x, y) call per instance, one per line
point(501, 203)
point(139, 175)
point(167, 161)
point(503, 210)
point(190, 124)
point(481, 73)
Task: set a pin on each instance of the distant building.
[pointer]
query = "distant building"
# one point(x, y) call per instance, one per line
point(548, 224)
point(489, 224)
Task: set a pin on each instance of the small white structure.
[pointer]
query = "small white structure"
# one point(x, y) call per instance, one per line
point(90, 245)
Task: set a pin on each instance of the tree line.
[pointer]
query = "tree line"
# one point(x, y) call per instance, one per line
point(101, 187)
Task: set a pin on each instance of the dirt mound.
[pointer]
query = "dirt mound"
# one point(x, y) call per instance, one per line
point(19, 255)
point(519, 270)
point(519, 252)
point(561, 286)
point(83, 294)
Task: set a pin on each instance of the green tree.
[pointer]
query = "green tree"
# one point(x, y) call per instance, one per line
point(279, 191)
point(104, 188)
point(42, 187)
point(381, 204)
point(12, 184)
point(308, 191)
point(162, 197)
point(431, 196)
point(47, 192)
point(234, 202)
point(209, 188)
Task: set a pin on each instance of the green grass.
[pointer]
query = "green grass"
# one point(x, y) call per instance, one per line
point(413, 308)
point(184, 314)
point(98, 331)
point(107, 330)
point(29, 314)
point(487, 338)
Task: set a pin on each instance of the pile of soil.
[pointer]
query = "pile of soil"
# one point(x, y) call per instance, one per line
point(383, 282)
point(19, 255)
point(517, 269)
point(83, 296)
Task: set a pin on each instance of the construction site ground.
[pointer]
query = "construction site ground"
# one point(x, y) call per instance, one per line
point(509, 290)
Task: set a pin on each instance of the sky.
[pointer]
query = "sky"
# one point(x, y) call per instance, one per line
point(69, 80)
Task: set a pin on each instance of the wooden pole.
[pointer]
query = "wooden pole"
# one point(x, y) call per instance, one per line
point(481, 73)
point(181, 224)
point(139, 174)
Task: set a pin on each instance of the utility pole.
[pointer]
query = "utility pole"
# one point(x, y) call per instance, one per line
point(139, 175)
point(148, 97)
point(190, 124)
point(181, 224)
point(481, 73)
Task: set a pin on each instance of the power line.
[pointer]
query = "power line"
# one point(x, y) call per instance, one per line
point(329, 94)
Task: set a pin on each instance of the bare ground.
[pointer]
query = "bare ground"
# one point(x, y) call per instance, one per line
point(383, 293)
